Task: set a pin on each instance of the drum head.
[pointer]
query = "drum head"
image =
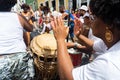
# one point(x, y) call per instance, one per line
point(44, 44)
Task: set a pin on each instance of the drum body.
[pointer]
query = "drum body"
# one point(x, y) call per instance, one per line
point(45, 67)
point(45, 59)
point(76, 57)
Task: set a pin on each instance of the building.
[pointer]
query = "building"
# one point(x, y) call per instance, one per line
point(32, 3)
point(53, 4)
point(67, 3)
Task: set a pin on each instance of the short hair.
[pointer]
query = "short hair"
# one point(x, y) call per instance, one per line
point(6, 5)
point(107, 11)
point(25, 6)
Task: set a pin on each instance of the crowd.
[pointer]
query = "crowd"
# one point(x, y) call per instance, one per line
point(92, 30)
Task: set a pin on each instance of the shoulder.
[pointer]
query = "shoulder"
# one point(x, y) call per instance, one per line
point(22, 19)
point(20, 16)
point(95, 70)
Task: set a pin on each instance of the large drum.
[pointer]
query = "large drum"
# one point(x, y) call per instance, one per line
point(76, 56)
point(45, 57)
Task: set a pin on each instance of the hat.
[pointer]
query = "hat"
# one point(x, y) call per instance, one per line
point(84, 7)
point(86, 15)
point(44, 45)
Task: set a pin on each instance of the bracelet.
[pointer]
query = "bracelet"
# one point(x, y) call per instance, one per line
point(76, 45)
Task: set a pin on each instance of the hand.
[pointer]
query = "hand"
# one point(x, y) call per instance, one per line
point(59, 29)
point(78, 28)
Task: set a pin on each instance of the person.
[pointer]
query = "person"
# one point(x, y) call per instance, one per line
point(46, 25)
point(106, 25)
point(94, 44)
point(83, 10)
point(15, 62)
point(29, 15)
point(89, 42)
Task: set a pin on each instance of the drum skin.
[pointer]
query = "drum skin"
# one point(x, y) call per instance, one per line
point(44, 45)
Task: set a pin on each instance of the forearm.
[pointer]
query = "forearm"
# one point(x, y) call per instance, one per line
point(84, 49)
point(70, 45)
point(64, 61)
point(87, 42)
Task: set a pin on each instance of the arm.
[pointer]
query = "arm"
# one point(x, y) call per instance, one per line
point(81, 48)
point(87, 42)
point(83, 39)
point(26, 25)
point(44, 27)
point(65, 65)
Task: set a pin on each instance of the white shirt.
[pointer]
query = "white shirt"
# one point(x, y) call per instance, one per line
point(37, 15)
point(104, 67)
point(56, 14)
point(11, 34)
point(44, 27)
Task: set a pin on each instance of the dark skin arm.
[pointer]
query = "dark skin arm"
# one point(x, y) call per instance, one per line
point(65, 65)
point(26, 25)
point(81, 36)
point(79, 47)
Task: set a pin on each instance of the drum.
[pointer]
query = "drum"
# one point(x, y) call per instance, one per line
point(45, 57)
point(76, 56)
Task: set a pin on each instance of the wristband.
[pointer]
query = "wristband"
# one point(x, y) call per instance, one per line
point(76, 45)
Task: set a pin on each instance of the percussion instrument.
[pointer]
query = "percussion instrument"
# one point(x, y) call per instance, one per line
point(76, 56)
point(44, 48)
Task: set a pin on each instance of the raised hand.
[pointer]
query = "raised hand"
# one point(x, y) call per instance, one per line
point(78, 26)
point(59, 29)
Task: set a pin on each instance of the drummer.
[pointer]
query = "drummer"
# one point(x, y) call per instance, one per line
point(90, 44)
point(15, 62)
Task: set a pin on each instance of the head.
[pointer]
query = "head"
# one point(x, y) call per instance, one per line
point(26, 8)
point(6, 5)
point(106, 17)
point(72, 11)
point(87, 20)
point(83, 9)
point(46, 10)
point(62, 9)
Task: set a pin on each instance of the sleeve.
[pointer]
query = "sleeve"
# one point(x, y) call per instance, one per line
point(93, 71)
point(99, 46)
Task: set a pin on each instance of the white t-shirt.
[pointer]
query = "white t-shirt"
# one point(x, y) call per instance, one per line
point(104, 67)
point(44, 27)
point(56, 14)
point(37, 15)
point(11, 34)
